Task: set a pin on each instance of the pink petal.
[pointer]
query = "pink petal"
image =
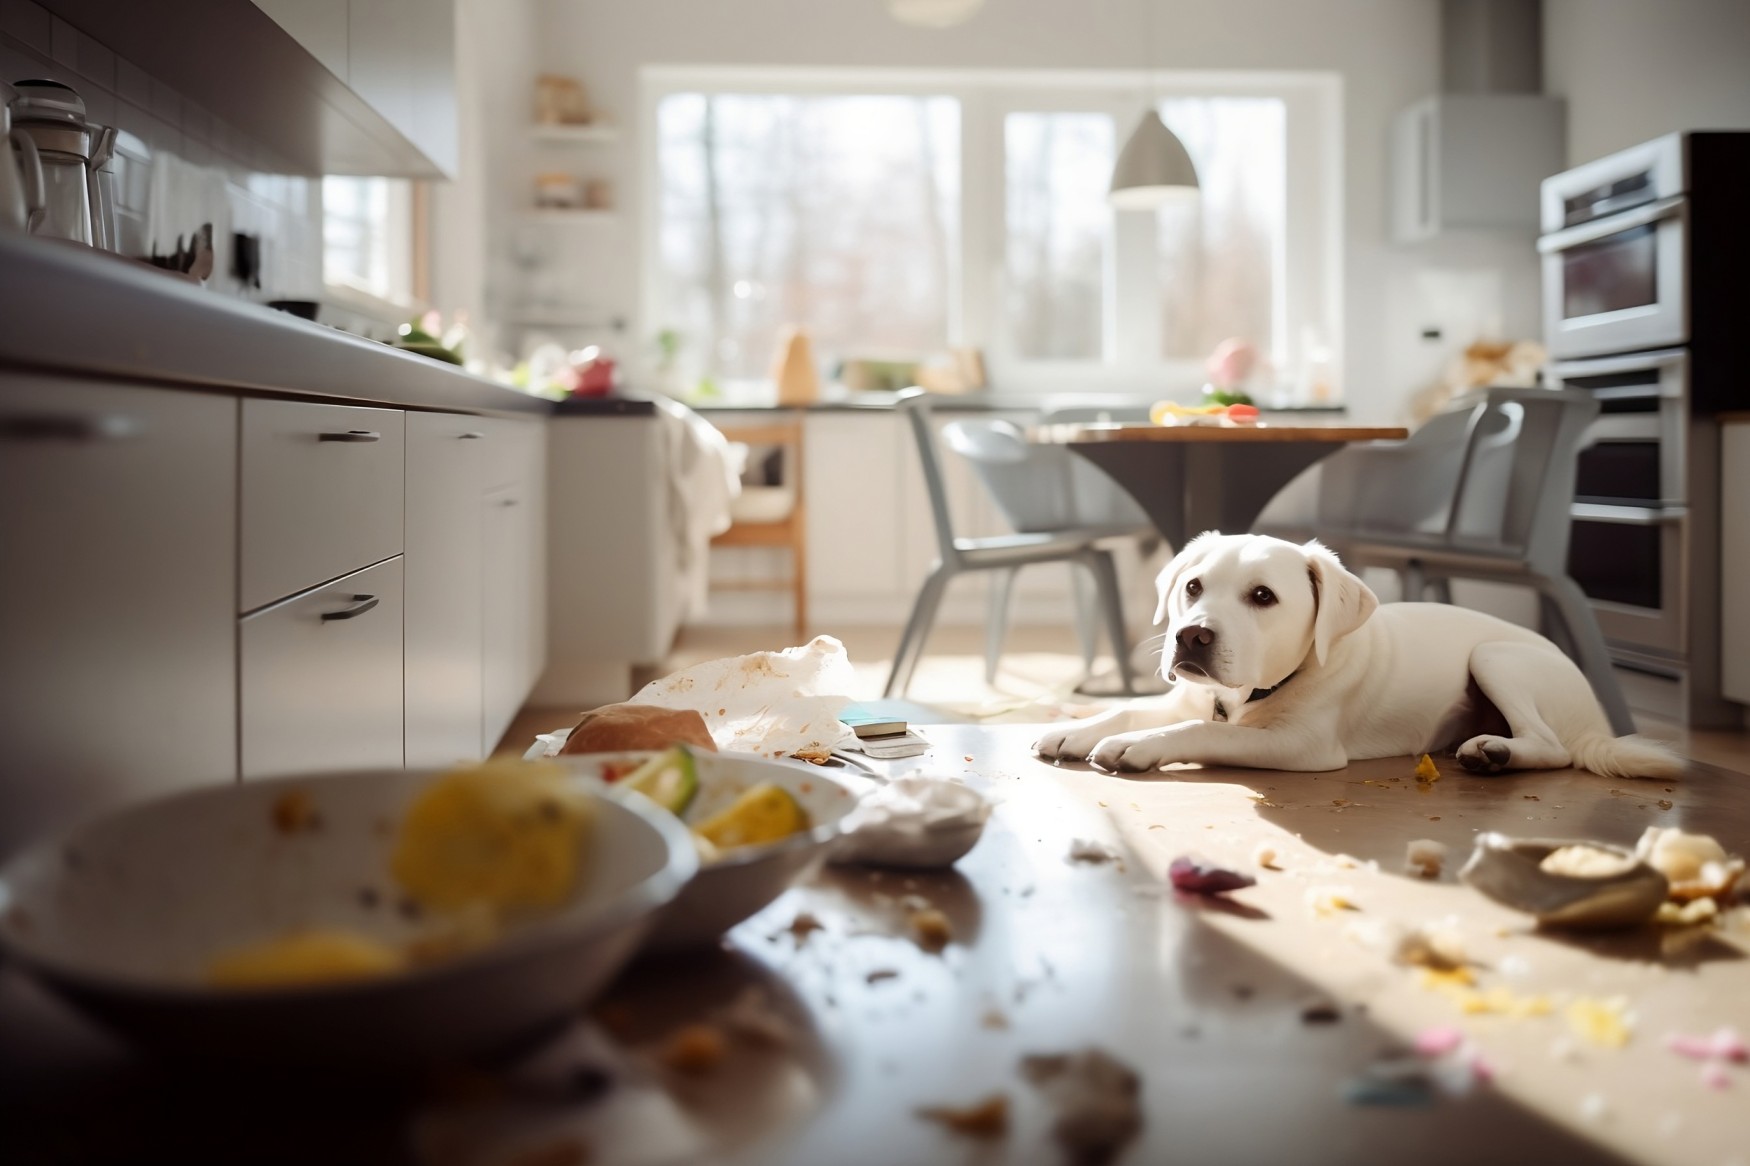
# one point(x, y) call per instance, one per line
point(1727, 1045)
point(1438, 1041)
point(1696, 1048)
point(1201, 878)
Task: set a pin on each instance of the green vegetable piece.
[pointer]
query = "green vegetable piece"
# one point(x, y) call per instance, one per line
point(670, 779)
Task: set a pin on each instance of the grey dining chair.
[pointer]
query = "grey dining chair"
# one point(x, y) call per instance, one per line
point(1482, 491)
point(1004, 554)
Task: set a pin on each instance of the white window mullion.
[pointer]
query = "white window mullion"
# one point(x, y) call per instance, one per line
point(974, 324)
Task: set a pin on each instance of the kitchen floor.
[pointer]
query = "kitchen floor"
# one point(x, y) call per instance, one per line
point(1035, 683)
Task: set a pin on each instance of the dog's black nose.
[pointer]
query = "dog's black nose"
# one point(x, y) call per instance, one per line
point(1195, 636)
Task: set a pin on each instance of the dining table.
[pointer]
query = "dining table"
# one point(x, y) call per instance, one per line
point(1192, 478)
point(1066, 1004)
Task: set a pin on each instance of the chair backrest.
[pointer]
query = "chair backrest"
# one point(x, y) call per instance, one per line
point(915, 404)
point(1030, 484)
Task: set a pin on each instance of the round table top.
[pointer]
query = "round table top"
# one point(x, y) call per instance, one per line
point(1264, 431)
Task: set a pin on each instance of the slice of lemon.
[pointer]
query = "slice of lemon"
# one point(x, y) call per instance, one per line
point(320, 955)
point(765, 813)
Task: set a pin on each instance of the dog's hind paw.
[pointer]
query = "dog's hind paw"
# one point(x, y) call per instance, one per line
point(1485, 755)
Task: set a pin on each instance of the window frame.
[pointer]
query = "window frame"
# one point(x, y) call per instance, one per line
point(1309, 296)
point(406, 232)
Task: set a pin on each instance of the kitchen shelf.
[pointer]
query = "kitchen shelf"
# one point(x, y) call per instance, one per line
point(580, 217)
point(584, 135)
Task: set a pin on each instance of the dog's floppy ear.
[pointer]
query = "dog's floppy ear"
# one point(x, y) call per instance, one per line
point(1167, 583)
point(1341, 601)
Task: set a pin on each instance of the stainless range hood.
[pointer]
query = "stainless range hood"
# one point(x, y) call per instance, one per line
point(1471, 157)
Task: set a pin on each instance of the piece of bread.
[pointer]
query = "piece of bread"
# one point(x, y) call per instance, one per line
point(614, 728)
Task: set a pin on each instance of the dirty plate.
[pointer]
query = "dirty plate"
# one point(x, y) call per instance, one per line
point(122, 915)
point(748, 878)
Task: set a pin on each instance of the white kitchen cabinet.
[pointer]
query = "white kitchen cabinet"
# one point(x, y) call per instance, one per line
point(513, 567)
point(1473, 160)
point(322, 492)
point(118, 597)
point(445, 589)
point(319, 25)
point(320, 677)
point(1734, 560)
point(852, 464)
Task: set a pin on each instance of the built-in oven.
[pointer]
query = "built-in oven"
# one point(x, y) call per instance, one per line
point(1631, 512)
point(1614, 245)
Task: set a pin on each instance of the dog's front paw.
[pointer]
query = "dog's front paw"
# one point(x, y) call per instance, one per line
point(1132, 752)
point(1068, 743)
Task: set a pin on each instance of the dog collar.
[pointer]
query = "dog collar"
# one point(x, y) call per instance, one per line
point(1257, 695)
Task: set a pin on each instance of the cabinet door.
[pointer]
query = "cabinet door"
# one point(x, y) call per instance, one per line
point(322, 494)
point(1734, 560)
point(852, 478)
point(444, 589)
point(505, 623)
point(321, 678)
point(118, 597)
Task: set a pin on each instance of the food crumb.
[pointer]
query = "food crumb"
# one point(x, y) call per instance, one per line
point(695, 1049)
point(880, 974)
point(804, 925)
point(1426, 770)
point(1605, 1022)
point(1327, 901)
point(1664, 803)
point(995, 1019)
point(968, 757)
point(1265, 856)
point(1594, 1108)
point(1425, 858)
point(931, 929)
point(295, 812)
point(1097, 1099)
point(1320, 1014)
point(984, 1119)
point(1091, 851)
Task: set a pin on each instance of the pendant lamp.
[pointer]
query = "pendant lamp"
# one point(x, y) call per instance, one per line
point(1153, 168)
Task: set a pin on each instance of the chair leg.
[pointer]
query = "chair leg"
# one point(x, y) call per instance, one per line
point(1085, 596)
point(1111, 598)
point(1570, 605)
point(1412, 581)
point(799, 587)
point(996, 618)
point(917, 630)
point(1438, 590)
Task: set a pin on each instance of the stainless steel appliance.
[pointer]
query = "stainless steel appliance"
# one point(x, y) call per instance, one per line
point(72, 151)
point(1646, 265)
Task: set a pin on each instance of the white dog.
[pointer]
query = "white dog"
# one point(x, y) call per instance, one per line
point(1285, 660)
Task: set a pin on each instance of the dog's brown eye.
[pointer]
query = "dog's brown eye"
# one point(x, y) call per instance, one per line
point(1262, 596)
point(1194, 588)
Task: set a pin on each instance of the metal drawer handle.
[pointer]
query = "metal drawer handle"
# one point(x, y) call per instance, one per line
point(351, 435)
point(361, 604)
point(471, 435)
point(68, 427)
point(508, 501)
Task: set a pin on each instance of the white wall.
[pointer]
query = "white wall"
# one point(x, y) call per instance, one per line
point(1635, 69)
point(1387, 52)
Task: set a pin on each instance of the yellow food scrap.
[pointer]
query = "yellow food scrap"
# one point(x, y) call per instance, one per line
point(932, 929)
point(1458, 984)
point(765, 813)
point(507, 835)
point(1448, 979)
point(697, 1048)
point(294, 812)
point(302, 958)
point(1604, 1021)
point(1704, 910)
point(985, 1119)
point(1425, 769)
point(1327, 901)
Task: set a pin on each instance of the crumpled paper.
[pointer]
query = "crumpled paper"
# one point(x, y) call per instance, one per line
point(775, 704)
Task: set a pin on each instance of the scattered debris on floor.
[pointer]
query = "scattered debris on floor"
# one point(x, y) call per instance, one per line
point(1264, 857)
point(1320, 1013)
point(1425, 858)
point(1430, 946)
point(1724, 1045)
point(1197, 877)
point(880, 974)
point(1426, 771)
point(804, 925)
point(1098, 1100)
point(1604, 1021)
point(984, 1119)
point(931, 929)
point(995, 1019)
point(1696, 864)
point(752, 1017)
point(1327, 901)
point(1091, 851)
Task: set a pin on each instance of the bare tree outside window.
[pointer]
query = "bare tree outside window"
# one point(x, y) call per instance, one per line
point(1056, 170)
point(837, 213)
point(1219, 258)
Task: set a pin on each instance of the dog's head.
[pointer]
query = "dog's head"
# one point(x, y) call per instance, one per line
point(1243, 610)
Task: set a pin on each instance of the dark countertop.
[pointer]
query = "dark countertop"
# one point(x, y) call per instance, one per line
point(987, 401)
point(68, 309)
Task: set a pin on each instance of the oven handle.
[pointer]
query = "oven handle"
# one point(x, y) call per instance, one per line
point(1627, 515)
point(1653, 212)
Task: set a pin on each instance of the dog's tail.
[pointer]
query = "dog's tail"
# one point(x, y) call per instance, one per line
point(1632, 756)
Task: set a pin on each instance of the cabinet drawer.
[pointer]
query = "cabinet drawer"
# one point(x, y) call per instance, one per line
point(322, 494)
point(321, 677)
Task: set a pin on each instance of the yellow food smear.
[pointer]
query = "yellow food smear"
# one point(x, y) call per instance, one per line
point(1459, 985)
point(316, 956)
point(765, 813)
point(1603, 1021)
point(1425, 769)
point(507, 835)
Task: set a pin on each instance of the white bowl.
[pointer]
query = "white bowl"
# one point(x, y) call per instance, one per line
point(121, 915)
point(746, 879)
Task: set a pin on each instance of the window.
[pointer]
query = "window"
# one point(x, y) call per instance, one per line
point(836, 213)
point(894, 215)
point(367, 238)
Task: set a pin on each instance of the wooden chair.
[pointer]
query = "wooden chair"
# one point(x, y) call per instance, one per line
point(773, 516)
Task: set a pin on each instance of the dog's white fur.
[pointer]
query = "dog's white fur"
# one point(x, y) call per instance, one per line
point(1358, 680)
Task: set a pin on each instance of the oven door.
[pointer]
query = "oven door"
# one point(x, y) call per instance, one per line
point(1634, 453)
point(1616, 284)
point(1629, 562)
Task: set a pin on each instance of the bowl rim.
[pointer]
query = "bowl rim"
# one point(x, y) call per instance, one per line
point(817, 835)
point(646, 898)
